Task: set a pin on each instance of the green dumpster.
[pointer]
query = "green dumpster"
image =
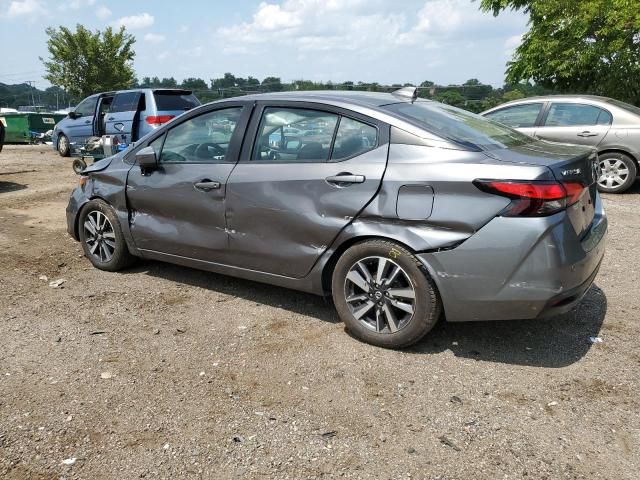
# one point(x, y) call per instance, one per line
point(24, 127)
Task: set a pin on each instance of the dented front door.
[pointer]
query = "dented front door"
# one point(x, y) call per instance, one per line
point(178, 208)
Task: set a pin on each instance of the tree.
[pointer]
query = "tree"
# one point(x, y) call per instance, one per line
point(85, 62)
point(452, 98)
point(586, 46)
point(194, 84)
point(272, 84)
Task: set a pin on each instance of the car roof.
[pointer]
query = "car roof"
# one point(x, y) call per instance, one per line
point(363, 99)
point(553, 98)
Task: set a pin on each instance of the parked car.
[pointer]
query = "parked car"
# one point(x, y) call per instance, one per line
point(426, 209)
point(129, 114)
point(611, 126)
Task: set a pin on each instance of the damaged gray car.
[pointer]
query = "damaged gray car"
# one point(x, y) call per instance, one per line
point(404, 210)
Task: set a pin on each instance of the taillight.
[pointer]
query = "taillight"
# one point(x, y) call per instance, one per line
point(158, 119)
point(533, 198)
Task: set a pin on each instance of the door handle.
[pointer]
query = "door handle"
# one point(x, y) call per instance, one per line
point(588, 134)
point(207, 185)
point(87, 122)
point(111, 118)
point(343, 179)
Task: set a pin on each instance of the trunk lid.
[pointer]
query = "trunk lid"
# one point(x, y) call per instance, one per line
point(568, 163)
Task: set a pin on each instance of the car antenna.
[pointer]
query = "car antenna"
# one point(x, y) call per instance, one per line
point(407, 92)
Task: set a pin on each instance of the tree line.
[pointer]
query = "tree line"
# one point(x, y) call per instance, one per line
point(472, 95)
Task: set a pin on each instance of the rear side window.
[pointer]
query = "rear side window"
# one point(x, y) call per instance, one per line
point(573, 114)
point(353, 138)
point(517, 116)
point(202, 139)
point(458, 126)
point(125, 102)
point(168, 100)
point(87, 107)
point(294, 135)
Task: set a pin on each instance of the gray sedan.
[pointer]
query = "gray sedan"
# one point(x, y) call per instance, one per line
point(611, 126)
point(403, 210)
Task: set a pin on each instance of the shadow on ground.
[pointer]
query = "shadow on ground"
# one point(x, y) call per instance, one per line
point(11, 187)
point(553, 342)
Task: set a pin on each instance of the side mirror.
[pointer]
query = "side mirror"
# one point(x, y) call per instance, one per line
point(147, 159)
point(73, 115)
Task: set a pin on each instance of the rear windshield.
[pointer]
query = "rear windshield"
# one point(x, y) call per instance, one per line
point(166, 100)
point(624, 106)
point(459, 126)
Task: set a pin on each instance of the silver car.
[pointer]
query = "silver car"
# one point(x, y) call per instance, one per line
point(611, 126)
point(403, 210)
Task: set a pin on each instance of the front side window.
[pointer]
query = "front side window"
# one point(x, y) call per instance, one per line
point(353, 138)
point(517, 116)
point(295, 135)
point(87, 107)
point(202, 139)
point(573, 114)
point(125, 102)
point(459, 126)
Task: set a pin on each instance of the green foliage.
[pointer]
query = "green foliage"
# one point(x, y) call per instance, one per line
point(513, 95)
point(85, 62)
point(586, 46)
point(452, 98)
point(194, 84)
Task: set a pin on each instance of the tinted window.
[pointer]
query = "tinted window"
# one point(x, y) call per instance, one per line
point(458, 125)
point(605, 118)
point(517, 116)
point(353, 138)
point(573, 114)
point(125, 102)
point(87, 107)
point(294, 134)
point(167, 100)
point(203, 139)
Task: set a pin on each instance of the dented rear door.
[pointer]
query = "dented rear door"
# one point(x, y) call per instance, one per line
point(283, 213)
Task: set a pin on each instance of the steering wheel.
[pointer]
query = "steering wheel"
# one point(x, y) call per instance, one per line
point(203, 151)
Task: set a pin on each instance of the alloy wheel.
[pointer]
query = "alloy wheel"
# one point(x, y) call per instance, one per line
point(614, 173)
point(63, 144)
point(99, 236)
point(380, 294)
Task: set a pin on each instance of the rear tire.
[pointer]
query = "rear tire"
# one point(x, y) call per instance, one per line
point(384, 295)
point(101, 237)
point(64, 148)
point(618, 172)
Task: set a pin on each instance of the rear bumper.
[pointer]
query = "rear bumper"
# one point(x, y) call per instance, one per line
point(519, 268)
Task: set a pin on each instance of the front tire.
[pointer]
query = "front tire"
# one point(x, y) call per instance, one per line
point(618, 172)
point(64, 147)
point(384, 295)
point(101, 237)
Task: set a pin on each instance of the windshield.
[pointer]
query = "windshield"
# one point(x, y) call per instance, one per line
point(459, 126)
point(624, 106)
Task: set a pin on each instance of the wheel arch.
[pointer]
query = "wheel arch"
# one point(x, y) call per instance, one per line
point(622, 151)
point(330, 264)
point(76, 225)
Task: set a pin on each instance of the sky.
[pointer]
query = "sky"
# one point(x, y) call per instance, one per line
point(399, 41)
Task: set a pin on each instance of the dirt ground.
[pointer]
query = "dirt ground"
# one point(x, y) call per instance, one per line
point(166, 372)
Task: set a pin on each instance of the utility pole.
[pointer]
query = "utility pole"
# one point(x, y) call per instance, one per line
point(32, 84)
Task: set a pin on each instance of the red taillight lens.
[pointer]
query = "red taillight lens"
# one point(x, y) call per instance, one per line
point(533, 199)
point(158, 119)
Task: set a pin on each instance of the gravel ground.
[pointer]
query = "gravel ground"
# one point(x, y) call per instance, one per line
point(166, 372)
